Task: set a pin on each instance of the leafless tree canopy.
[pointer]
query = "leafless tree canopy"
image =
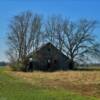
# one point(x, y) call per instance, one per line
point(53, 30)
point(74, 39)
point(24, 34)
point(28, 31)
point(78, 39)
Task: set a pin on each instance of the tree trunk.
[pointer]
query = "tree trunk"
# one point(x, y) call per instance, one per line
point(71, 65)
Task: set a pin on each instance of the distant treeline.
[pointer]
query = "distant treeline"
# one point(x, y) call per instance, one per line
point(91, 65)
point(3, 63)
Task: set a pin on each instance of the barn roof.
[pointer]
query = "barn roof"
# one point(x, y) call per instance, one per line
point(47, 45)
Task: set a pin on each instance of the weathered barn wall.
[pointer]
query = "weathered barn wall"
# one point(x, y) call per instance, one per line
point(49, 58)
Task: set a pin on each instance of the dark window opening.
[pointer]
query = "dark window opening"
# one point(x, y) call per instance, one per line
point(55, 61)
point(49, 49)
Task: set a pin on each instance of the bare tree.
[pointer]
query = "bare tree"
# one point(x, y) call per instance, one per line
point(53, 30)
point(50, 29)
point(36, 31)
point(59, 32)
point(78, 40)
point(24, 34)
point(74, 39)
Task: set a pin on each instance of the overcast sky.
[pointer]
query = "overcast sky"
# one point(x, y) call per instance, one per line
point(73, 9)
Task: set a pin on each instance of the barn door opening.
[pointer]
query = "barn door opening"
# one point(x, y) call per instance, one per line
point(48, 64)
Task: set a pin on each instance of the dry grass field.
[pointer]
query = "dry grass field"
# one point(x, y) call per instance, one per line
point(86, 83)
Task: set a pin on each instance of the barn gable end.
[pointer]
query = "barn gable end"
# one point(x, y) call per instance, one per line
point(49, 58)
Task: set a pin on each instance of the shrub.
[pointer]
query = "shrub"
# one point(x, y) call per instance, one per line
point(17, 66)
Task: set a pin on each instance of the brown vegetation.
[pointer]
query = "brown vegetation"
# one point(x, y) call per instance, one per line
point(83, 82)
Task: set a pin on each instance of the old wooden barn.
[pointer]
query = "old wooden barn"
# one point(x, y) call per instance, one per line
point(49, 58)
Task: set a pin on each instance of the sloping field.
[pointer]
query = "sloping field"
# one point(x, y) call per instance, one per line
point(36, 86)
point(85, 83)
